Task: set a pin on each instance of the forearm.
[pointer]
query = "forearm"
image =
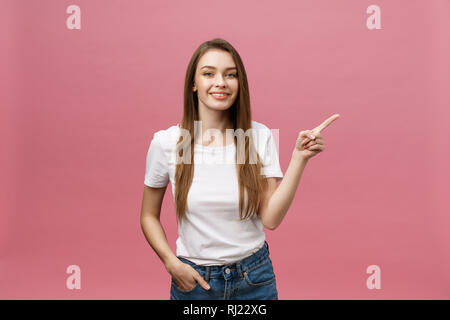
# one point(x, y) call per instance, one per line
point(156, 237)
point(281, 199)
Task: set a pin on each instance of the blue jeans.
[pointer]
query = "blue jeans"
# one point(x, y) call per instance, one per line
point(251, 278)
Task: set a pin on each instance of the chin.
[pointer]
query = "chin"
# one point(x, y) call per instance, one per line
point(221, 108)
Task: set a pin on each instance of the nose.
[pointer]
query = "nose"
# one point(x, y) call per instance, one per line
point(220, 81)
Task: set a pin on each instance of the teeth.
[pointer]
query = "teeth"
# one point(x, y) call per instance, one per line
point(219, 94)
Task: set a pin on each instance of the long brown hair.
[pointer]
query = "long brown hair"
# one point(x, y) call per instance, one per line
point(251, 182)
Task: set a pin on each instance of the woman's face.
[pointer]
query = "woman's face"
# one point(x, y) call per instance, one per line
point(220, 76)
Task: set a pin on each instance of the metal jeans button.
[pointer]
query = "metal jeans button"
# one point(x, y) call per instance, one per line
point(227, 270)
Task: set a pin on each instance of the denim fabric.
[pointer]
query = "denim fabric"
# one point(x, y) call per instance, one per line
point(251, 278)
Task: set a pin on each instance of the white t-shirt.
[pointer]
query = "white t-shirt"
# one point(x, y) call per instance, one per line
point(212, 233)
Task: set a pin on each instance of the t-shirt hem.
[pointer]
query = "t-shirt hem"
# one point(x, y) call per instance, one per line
point(210, 264)
point(154, 185)
point(273, 174)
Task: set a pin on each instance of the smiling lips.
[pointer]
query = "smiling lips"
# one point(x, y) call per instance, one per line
point(220, 96)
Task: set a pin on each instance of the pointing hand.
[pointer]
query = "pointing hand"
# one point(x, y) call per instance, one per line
point(310, 142)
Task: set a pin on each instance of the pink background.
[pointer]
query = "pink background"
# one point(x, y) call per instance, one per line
point(79, 108)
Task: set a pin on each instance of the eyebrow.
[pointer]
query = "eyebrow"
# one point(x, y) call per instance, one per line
point(215, 67)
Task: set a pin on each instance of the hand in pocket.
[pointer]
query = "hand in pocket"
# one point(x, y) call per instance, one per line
point(186, 277)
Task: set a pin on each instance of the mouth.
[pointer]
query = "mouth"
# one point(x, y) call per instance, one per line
point(220, 96)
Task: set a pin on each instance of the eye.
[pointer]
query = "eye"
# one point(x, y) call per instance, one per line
point(209, 73)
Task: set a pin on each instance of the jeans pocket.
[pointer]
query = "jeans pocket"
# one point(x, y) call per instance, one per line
point(260, 275)
point(175, 286)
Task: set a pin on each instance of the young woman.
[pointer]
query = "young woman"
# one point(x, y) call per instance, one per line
point(222, 204)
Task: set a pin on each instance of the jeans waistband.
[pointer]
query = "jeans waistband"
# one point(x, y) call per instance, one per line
point(228, 270)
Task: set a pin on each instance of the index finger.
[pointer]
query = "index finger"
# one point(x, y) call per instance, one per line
point(326, 123)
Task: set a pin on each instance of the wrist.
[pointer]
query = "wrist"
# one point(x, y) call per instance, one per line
point(297, 155)
point(172, 261)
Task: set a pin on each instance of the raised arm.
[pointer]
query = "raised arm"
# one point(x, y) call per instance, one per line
point(278, 199)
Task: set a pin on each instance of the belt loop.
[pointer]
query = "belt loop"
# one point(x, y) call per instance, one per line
point(207, 273)
point(267, 245)
point(239, 269)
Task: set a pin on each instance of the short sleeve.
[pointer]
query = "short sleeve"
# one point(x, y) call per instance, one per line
point(156, 165)
point(271, 163)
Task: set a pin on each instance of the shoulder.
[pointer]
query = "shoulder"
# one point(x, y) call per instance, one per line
point(165, 135)
point(261, 131)
point(259, 125)
point(167, 138)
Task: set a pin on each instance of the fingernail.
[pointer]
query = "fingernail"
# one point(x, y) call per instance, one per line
point(208, 287)
point(312, 137)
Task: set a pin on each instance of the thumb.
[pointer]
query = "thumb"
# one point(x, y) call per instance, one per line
point(304, 137)
point(310, 134)
point(202, 281)
point(307, 134)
